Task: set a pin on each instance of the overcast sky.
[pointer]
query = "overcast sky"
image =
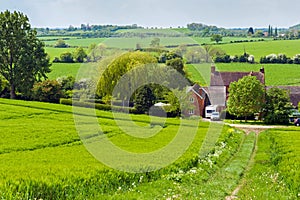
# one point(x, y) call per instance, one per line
point(158, 13)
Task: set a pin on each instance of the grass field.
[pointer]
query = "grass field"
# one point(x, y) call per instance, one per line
point(82, 42)
point(260, 49)
point(275, 170)
point(275, 74)
point(55, 52)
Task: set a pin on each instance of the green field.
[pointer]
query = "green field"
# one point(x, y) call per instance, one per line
point(43, 157)
point(275, 170)
point(83, 42)
point(55, 52)
point(260, 49)
point(275, 74)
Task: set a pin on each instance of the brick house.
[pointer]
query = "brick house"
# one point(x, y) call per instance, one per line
point(198, 97)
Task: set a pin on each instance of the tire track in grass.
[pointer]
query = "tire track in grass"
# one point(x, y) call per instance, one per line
point(249, 166)
point(228, 177)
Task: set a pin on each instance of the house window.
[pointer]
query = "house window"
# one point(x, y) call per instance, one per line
point(191, 112)
point(192, 99)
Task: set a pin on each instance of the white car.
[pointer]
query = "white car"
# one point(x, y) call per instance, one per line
point(215, 116)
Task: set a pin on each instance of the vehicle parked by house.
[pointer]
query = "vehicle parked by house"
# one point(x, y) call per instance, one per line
point(209, 110)
point(215, 116)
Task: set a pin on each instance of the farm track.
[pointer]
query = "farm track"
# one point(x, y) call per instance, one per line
point(247, 168)
point(231, 173)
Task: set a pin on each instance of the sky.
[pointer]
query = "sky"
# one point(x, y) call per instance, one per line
point(158, 13)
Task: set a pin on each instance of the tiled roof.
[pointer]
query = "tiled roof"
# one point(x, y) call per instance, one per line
point(225, 78)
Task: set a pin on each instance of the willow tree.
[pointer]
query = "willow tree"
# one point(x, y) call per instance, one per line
point(119, 67)
point(23, 60)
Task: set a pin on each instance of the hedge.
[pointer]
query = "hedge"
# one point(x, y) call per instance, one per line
point(97, 106)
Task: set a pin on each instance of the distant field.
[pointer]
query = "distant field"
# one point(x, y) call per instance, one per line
point(87, 70)
point(276, 74)
point(55, 52)
point(83, 42)
point(260, 49)
point(207, 40)
point(63, 69)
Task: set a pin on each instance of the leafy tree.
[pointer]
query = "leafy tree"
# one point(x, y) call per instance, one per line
point(48, 91)
point(277, 107)
point(66, 57)
point(79, 54)
point(61, 44)
point(23, 60)
point(246, 97)
point(155, 42)
point(216, 38)
point(3, 85)
point(120, 66)
point(176, 63)
point(210, 52)
point(144, 99)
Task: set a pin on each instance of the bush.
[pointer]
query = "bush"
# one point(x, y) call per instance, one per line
point(47, 91)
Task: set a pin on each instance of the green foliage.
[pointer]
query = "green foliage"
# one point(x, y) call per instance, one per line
point(246, 97)
point(22, 56)
point(61, 44)
point(79, 55)
point(144, 99)
point(66, 57)
point(47, 91)
point(216, 38)
point(119, 67)
point(179, 102)
point(177, 64)
point(155, 42)
point(3, 85)
point(277, 107)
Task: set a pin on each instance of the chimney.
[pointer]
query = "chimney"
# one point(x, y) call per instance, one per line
point(213, 69)
point(262, 70)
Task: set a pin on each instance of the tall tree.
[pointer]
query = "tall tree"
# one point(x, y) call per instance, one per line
point(22, 56)
point(278, 106)
point(246, 97)
point(216, 38)
point(144, 99)
point(155, 42)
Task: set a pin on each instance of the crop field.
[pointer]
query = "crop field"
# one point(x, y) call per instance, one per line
point(275, 74)
point(260, 49)
point(43, 157)
point(275, 170)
